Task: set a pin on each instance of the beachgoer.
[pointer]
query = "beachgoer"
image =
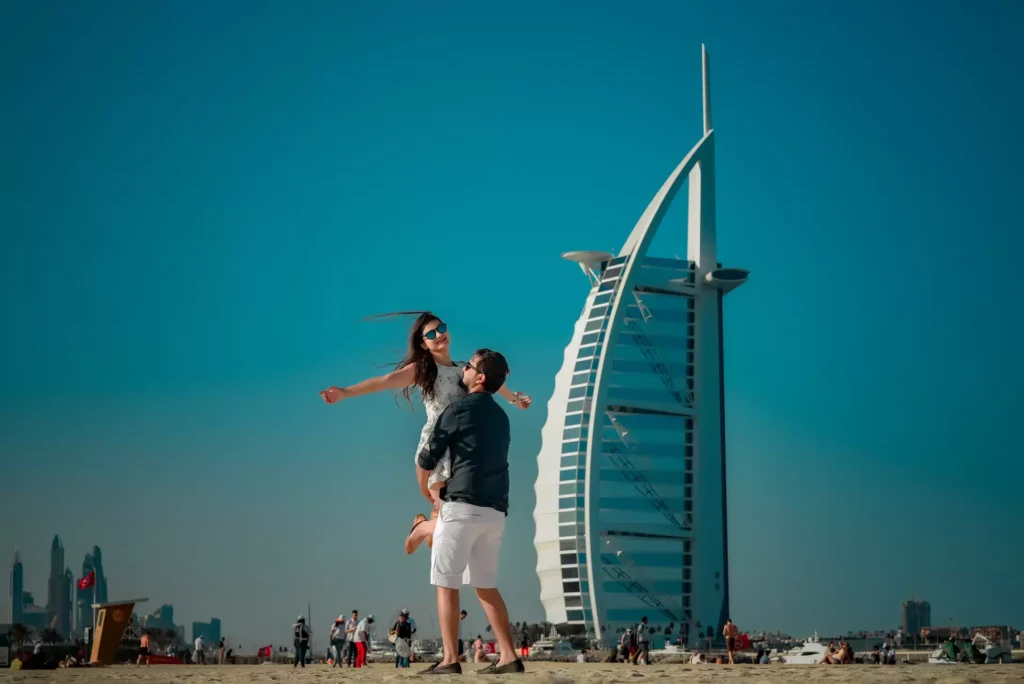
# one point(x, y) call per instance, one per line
point(199, 656)
point(478, 649)
point(462, 644)
point(301, 635)
point(223, 652)
point(403, 639)
point(625, 643)
point(467, 539)
point(143, 649)
point(730, 632)
point(428, 366)
point(351, 651)
point(643, 642)
point(338, 642)
point(524, 646)
point(363, 640)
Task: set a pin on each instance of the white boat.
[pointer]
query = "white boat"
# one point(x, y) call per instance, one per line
point(810, 652)
point(553, 644)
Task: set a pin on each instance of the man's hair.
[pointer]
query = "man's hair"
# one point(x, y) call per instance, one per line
point(463, 612)
point(494, 367)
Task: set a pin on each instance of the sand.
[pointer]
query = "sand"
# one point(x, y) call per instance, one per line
point(550, 673)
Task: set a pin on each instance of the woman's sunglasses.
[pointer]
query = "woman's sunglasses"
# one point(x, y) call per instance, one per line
point(432, 334)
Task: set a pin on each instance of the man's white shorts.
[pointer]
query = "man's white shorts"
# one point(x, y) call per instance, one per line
point(467, 540)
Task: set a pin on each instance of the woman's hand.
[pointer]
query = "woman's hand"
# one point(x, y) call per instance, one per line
point(523, 401)
point(332, 395)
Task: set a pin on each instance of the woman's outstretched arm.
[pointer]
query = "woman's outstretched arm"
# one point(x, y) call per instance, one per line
point(396, 379)
point(517, 398)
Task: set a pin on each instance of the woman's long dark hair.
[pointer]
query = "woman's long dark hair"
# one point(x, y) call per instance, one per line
point(420, 357)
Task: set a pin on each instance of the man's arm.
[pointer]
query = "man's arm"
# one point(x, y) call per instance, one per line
point(437, 445)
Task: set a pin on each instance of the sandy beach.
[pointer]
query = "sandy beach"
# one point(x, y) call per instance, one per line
point(553, 673)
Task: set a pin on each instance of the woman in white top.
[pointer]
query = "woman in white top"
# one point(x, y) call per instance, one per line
point(427, 366)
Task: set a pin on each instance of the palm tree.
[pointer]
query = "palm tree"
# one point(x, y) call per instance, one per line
point(50, 636)
point(19, 635)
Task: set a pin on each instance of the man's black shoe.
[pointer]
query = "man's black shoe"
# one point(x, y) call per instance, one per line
point(515, 667)
point(437, 669)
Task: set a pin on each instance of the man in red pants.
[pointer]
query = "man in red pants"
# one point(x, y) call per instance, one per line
point(363, 640)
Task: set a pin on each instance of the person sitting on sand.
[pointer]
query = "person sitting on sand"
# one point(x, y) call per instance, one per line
point(829, 653)
point(478, 650)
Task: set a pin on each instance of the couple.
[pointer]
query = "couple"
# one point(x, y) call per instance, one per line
point(428, 367)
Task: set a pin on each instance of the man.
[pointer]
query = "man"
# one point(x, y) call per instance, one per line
point(624, 644)
point(403, 639)
point(143, 650)
point(338, 642)
point(471, 523)
point(643, 642)
point(730, 632)
point(362, 639)
point(200, 657)
point(351, 652)
point(462, 644)
point(301, 634)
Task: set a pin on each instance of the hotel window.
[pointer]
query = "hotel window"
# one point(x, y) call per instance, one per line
point(602, 298)
point(587, 365)
point(566, 530)
point(566, 489)
point(581, 392)
point(689, 423)
point(686, 546)
point(687, 560)
point(688, 451)
point(567, 545)
point(571, 587)
point(568, 559)
point(574, 406)
point(571, 433)
point(573, 602)
point(686, 587)
point(689, 343)
point(570, 448)
point(688, 478)
point(570, 461)
point(595, 324)
point(686, 601)
point(689, 303)
point(608, 286)
point(599, 311)
point(582, 558)
point(585, 587)
point(583, 379)
point(574, 615)
point(688, 506)
point(570, 573)
point(566, 503)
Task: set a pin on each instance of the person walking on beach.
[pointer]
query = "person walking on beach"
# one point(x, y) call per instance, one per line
point(730, 632)
point(222, 649)
point(301, 633)
point(471, 522)
point(351, 652)
point(403, 639)
point(143, 650)
point(427, 366)
point(362, 638)
point(462, 644)
point(643, 642)
point(200, 656)
point(338, 642)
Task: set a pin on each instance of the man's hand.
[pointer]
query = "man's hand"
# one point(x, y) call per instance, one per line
point(524, 401)
point(332, 395)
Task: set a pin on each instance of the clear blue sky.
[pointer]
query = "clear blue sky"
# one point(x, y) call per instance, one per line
point(201, 200)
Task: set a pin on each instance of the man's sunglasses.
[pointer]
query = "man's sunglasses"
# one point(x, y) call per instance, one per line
point(469, 365)
point(439, 330)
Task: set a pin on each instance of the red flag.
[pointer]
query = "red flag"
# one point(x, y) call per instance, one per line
point(87, 581)
point(264, 652)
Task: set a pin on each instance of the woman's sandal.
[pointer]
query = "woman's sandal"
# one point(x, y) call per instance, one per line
point(410, 546)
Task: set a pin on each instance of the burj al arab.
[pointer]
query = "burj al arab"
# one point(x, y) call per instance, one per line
point(631, 516)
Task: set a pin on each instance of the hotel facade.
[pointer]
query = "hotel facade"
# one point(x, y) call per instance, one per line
point(631, 493)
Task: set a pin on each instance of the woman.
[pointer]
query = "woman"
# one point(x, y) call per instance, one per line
point(427, 366)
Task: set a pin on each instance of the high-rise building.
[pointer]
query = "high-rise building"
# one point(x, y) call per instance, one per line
point(17, 590)
point(101, 577)
point(210, 631)
point(55, 583)
point(915, 615)
point(631, 491)
point(84, 598)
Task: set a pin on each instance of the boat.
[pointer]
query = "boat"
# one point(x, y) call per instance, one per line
point(553, 645)
point(810, 652)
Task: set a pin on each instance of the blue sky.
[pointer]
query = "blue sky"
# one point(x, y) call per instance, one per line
point(201, 200)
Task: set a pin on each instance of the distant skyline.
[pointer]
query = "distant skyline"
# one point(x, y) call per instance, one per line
point(201, 202)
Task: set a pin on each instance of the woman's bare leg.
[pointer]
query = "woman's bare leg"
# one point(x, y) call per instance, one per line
point(424, 531)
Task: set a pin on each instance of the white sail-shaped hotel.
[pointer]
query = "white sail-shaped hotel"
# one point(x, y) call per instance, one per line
point(631, 495)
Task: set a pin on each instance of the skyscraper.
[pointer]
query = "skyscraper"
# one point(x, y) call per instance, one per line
point(915, 615)
point(631, 507)
point(17, 590)
point(97, 593)
point(55, 583)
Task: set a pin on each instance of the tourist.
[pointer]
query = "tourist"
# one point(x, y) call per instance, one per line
point(478, 649)
point(403, 639)
point(351, 651)
point(222, 651)
point(301, 634)
point(427, 366)
point(362, 639)
point(730, 632)
point(199, 656)
point(462, 645)
point(524, 646)
point(643, 642)
point(471, 521)
point(143, 649)
point(337, 637)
